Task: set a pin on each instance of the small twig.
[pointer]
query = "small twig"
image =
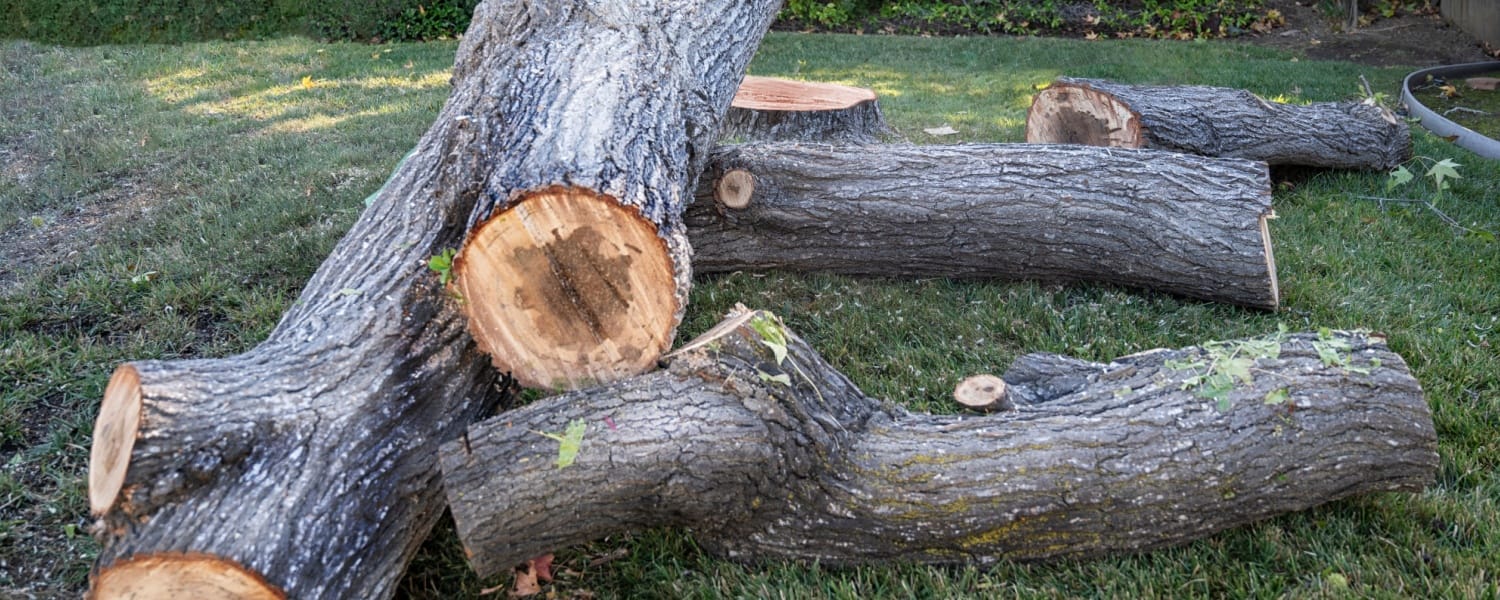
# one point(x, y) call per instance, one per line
point(1369, 93)
point(1430, 206)
point(1465, 110)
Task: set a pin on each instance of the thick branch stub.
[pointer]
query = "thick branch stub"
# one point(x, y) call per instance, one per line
point(984, 393)
point(567, 287)
point(735, 189)
point(114, 437)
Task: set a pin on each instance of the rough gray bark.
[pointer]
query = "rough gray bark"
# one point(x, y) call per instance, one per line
point(307, 467)
point(1182, 224)
point(767, 458)
point(1213, 121)
point(613, 102)
point(768, 110)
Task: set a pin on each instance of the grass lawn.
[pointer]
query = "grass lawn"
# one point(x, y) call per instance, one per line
point(169, 202)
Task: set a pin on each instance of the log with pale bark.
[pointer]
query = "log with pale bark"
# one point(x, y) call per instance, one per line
point(307, 467)
point(771, 109)
point(765, 451)
point(1212, 121)
point(582, 142)
point(1187, 225)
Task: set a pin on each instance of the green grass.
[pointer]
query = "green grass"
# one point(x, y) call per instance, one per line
point(169, 202)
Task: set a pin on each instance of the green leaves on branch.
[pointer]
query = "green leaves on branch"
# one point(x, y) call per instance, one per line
point(442, 264)
point(1222, 365)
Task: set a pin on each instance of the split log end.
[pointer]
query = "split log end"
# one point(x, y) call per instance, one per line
point(568, 287)
point(115, 431)
point(167, 576)
point(984, 393)
point(1073, 114)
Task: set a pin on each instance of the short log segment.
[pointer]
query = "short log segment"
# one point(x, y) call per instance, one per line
point(1212, 121)
point(583, 140)
point(770, 109)
point(1186, 225)
point(769, 457)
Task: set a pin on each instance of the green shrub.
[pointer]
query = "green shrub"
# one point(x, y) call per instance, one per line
point(391, 20)
point(80, 22)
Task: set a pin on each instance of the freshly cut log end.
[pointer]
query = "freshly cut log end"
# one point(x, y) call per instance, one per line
point(173, 576)
point(567, 288)
point(984, 393)
point(771, 109)
point(1081, 115)
point(114, 437)
point(734, 189)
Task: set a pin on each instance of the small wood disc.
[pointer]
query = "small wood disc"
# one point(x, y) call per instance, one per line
point(735, 189)
point(114, 438)
point(982, 392)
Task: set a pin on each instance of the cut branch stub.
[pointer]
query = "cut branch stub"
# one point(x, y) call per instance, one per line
point(765, 451)
point(985, 393)
point(582, 143)
point(1213, 121)
point(771, 109)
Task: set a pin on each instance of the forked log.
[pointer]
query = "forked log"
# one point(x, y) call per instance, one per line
point(1213, 121)
point(307, 467)
point(582, 142)
point(765, 451)
point(770, 109)
point(1186, 225)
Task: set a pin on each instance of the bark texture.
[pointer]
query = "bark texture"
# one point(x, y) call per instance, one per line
point(1151, 219)
point(1213, 121)
point(770, 109)
point(580, 131)
point(765, 455)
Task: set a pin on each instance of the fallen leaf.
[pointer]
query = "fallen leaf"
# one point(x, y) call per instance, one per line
point(525, 584)
point(944, 130)
point(542, 565)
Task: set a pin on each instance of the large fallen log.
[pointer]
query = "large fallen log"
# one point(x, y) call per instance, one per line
point(1212, 121)
point(307, 467)
point(770, 109)
point(585, 140)
point(1183, 224)
point(765, 451)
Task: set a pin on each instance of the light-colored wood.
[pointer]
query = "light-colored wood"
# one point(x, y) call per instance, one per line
point(770, 93)
point(568, 288)
point(181, 577)
point(1079, 115)
point(1265, 238)
point(985, 393)
point(735, 189)
point(114, 437)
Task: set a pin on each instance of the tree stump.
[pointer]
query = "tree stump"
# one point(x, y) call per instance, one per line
point(1212, 121)
point(766, 452)
point(770, 109)
point(1186, 225)
point(307, 467)
point(582, 142)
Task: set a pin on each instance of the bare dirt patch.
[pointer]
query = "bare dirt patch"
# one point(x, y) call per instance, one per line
point(1414, 40)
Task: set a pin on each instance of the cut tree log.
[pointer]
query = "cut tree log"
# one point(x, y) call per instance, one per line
point(766, 455)
point(307, 467)
point(771, 109)
point(1187, 225)
point(583, 144)
point(1213, 121)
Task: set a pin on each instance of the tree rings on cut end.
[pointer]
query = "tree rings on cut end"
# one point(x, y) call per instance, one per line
point(1072, 114)
point(114, 438)
point(770, 93)
point(735, 189)
point(984, 393)
point(568, 288)
point(173, 576)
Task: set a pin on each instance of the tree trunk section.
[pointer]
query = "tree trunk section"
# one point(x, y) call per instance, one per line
point(1212, 121)
point(585, 126)
point(781, 457)
point(770, 109)
point(307, 467)
point(1186, 225)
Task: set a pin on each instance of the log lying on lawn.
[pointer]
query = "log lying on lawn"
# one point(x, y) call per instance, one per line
point(771, 109)
point(307, 467)
point(770, 456)
point(1213, 121)
point(583, 142)
point(1182, 224)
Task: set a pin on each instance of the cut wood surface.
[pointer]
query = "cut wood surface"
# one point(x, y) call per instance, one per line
point(1182, 224)
point(1213, 121)
point(986, 393)
point(307, 467)
point(582, 142)
point(771, 456)
point(771, 109)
